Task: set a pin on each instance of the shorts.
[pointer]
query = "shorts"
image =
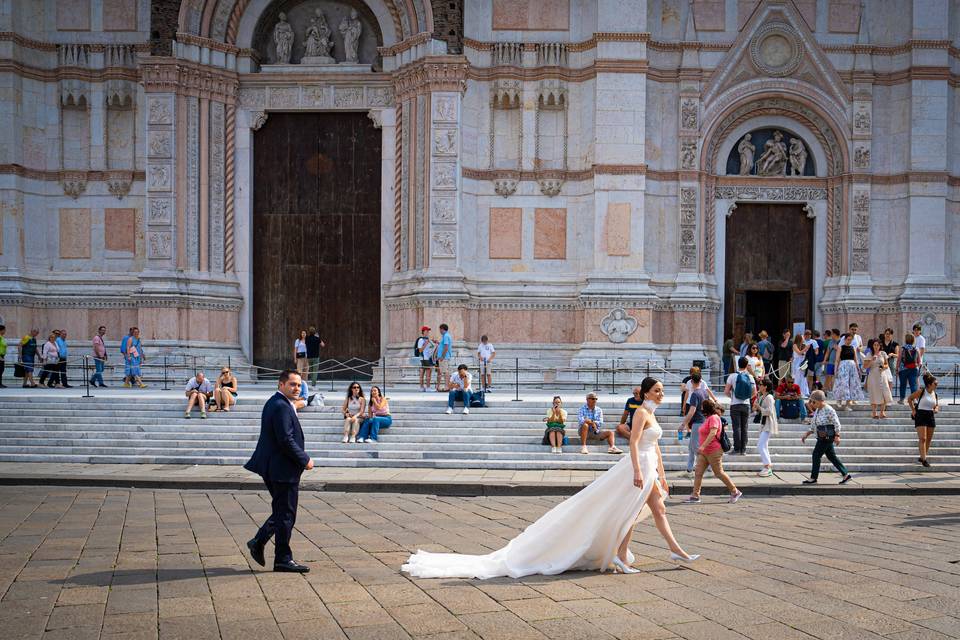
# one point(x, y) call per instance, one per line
point(592, 435)
point(485, 366)
point(828, 369)
point(925, 418)
point(426, 364)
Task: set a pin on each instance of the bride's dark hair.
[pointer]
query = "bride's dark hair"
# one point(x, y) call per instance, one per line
point(646, 385)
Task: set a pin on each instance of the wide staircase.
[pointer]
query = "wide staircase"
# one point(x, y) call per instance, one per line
point(504, 435)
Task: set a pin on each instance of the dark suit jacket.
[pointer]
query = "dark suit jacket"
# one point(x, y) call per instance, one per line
point(280, 455)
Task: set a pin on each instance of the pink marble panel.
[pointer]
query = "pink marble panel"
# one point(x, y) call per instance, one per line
point(73, 15)
point(843, 16)
point(550, 234)
point(744, 11)
point(74, 233)
point(709, 15)
point(119, 15)
point(506, 233)
point(119, 229)
point(531, 15)
point(617, 228)
point(808, 9)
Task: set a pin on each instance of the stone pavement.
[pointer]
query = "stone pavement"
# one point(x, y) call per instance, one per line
point(130, 564)
point(468, 482)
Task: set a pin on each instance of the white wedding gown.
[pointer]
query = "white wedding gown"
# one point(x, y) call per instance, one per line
point(581, 533)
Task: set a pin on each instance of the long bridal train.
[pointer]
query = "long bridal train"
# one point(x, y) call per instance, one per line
point(581, 533)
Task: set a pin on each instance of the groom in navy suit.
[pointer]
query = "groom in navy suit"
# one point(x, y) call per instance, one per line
point(280, 459)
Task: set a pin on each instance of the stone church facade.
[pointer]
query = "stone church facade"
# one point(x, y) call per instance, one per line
point(575, 178)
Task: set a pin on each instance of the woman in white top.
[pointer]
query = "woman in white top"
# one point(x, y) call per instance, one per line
point(51, 361)
point(925, 405)
point(877, 387)
point(588, 531)
point(352, 409)
point(300, 354)
point(755, 362)
point(799, 357)
point(767, 407)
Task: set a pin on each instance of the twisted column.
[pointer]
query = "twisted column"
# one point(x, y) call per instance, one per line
point(397, 188)
point(229, 176)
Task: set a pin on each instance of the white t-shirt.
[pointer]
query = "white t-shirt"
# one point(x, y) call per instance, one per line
point(919, 342)
point(204, 387)
point(485, 351)
point(857, 342)
point(812, 344)
point(755, 365)
point(426, 348)
point(461, 384)
point(732, 381)
point(299, 346)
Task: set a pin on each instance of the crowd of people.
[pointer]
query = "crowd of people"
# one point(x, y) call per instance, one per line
point(52, 358)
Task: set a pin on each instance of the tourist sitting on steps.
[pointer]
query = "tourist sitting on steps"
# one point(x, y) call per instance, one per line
point(353, 408)
point(590, 421)
point(198, 392)
point(378, 417)
point(788, 402)
point(306, 399)
point(459, 388)
point(556, 420)
point(225, 393)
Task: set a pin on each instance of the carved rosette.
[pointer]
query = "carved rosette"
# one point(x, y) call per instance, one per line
point(688, 229)
point(860, 236)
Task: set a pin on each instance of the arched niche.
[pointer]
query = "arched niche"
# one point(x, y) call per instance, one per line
point(299, 13)
point(816, 165)
point(760, 138)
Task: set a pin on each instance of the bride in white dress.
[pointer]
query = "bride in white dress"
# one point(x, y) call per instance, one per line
point(589, 530)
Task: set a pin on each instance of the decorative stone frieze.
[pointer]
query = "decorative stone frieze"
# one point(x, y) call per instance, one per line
point(159, 245)
point(434, 73)
point(689, 114)
point(688, 228)
point(160, 211)
point(216, 194)
point(175, 75)
point(776, 194)
point(550, 187)
point(505, 186)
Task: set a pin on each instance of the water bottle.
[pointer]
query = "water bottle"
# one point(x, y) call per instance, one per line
point(680, 434)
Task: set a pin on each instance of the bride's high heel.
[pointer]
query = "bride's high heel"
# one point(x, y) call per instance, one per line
point(620, 567)
point(676, 557)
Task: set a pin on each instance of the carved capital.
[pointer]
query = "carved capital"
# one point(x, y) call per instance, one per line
point(550, 187)
point(74, 183)
point(118, 183)
point(258, 119)
point(434, 73)
point(505, 187)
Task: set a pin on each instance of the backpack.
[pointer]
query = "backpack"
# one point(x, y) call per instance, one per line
point(743, 389)
point(723, 437)
point(909, 355)
point(478, 400)
point(416, 347)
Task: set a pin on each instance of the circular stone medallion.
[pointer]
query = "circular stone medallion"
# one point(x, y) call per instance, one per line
point(776, 49)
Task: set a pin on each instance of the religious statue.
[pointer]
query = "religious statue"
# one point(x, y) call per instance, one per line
point(798, 157)
point(773, 162)
point(350, 28)
point(283, 39)
point(618, 326)
point(318, 44)
point(746, 151)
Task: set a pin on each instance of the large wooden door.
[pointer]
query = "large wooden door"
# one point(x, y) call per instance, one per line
point(769, 268)
point(316, 235)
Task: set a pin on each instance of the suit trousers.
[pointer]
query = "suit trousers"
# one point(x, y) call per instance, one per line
point(283, 504)
point(740, 416)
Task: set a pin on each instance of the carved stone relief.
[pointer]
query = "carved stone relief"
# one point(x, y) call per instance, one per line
point(191, 233)
point(258, 119)
point(860, 241)
point(217, 139)
point(861, 157)
point(550, 187)
point(160, 143)
point(445, 109)
point(119, 182)
point(618, 326)
point(159, 177)
point(776, 49)
point(861, 119)
point(74, 183)
point(445, 175)
point(445, 142)
point(444, 210)
point(750, 192)
point(688, 114)
point(688, 228)
point(344, 97)
point(380, 97)
point(444, 244)
point(159, 244)
point(505, 187)
point(284, 97)
point(159, 211)
point(688, 154)
point(932, 329)
point(159, 111)
point(315, 96)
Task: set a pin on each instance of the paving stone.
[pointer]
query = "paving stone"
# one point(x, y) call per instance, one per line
point(500, 625)
point(326, 628)
point(537, 609)
point(77, 615)
point(130, 623)
point(189, 606)
point(261, 629)
point(467, 599)
point(192, 628)
point(359, 614)
point(570, 629)
point(424, 619)
point(294, 610)
point(389, 631)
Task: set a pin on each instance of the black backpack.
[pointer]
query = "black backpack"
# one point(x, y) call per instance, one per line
point(416, 347)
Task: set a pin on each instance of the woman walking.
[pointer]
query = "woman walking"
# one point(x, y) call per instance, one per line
point(133, 359)
point(796, 365)
point(711, 454)
point(352, 409)
point(378, 417)
point(556, 420)
point(826, 424)
point(877, 386)
point(51, 362)
point(829, 356)
point(907, 366)
point(925, 405)
point(767, 408)
point(28, 355)
point(846, 382)
point(300, 354)
point(755, 362)
point(588, 531)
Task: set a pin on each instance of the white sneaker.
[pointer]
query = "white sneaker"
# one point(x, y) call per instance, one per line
point(346, 439)
point(449, 410)
point(466, 411)
point(353, 440)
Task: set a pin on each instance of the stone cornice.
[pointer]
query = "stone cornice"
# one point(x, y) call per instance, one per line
point(133, 301)
point(38, 45)
point(214, 45)
point(568, 175)
point(405, 45)
point(69, 73)
point(58, 175)
point(172, 75)
point(433, 73)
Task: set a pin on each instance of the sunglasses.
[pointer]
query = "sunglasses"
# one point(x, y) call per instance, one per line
point(355, 387)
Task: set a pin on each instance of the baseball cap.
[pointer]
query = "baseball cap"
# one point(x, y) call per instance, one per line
point(424, 328)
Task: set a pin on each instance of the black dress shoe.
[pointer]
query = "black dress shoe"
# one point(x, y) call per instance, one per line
point(290, 567)
point(810, 481)
point(256, 552)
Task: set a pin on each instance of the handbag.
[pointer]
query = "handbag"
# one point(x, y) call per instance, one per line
point(724, 439)
point(18, 370)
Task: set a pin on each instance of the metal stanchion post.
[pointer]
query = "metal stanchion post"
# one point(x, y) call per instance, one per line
point(956, 378)
point(613, 377)
point(228, 364)
point(383, 371)
point(86, 376)
point(516, 379)
point(165, 388)
point(597, 370)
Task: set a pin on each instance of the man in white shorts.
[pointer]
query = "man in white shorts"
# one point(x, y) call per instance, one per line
point(485, 355)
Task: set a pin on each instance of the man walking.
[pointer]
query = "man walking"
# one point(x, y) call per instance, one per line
point(741, 388)
point(99, 358)
point(314, 344)
point(280, 459)
point(920, 344)
point(62, 366)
